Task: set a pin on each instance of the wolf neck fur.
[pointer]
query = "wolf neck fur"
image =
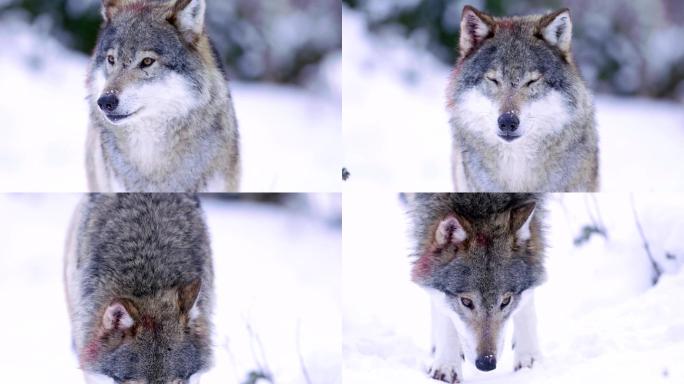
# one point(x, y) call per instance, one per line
point(162, 152)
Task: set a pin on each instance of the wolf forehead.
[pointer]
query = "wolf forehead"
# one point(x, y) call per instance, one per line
point(494, 276)
point(131, 32)
point(514, 47)
point(480, 264)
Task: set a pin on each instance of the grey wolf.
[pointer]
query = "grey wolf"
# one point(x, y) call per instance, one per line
point(479, 256)
point(161, 115)
point(139, 287)
point(521, 117)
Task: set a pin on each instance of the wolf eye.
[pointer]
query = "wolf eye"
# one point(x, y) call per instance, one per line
point(467, 303)
point(110, 59)
point(529, 83)
point(493, 80)
point(505, 302)
point(146, 62)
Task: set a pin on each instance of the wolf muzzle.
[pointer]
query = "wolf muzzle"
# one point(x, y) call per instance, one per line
point(108, 103)
point(508, 125)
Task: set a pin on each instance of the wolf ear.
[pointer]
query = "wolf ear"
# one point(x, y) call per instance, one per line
point(111, 8)
point(187, 298)
point(188, 17)
point(119, 315)
point(450, 230)
point(556, 29)
point(476, 26)
point(520, 220)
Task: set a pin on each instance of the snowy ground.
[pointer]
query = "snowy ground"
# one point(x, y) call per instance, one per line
point(396, 131)
point(290, 136)
point(599, 319)
point(277, 271)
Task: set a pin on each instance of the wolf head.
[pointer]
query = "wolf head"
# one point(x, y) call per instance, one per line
point(149, 60)
point(161, 339)
point(515, 76)
point(478, 257)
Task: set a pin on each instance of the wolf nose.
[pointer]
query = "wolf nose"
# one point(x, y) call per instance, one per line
point(108, 103)
point(486, 363)
point(508, 122)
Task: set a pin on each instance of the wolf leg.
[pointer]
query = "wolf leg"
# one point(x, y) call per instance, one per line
point(457, 171)
point(446, 364)
point(95, 164)
point(525, 340)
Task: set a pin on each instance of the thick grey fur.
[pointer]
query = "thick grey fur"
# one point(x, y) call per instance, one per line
point(138, 246)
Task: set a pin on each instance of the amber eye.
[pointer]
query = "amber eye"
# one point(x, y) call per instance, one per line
point(505, 302)
point(110, 59)
point(467, 303)
point(147, 62)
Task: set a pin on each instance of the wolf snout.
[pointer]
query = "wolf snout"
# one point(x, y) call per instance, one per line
point(508, 126)
point(108, 103)
point(508, 122)
point(486, 363)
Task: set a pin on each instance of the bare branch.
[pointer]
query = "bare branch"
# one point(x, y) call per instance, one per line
point(299, 353)
point(657, 271)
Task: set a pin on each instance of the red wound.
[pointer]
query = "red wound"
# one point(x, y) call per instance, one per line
point(421, 268)
point(148, 323)
point(90, 351)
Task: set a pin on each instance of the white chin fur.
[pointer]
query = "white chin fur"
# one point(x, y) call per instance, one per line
point(479, 114)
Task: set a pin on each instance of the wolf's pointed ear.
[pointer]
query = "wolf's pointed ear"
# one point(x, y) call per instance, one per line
point(450, 230)
point(110, 8)
point(119, 315)
point(556, 29)
point(188, 17)
point(520, 220)
point(187, 298)
point(476, 26)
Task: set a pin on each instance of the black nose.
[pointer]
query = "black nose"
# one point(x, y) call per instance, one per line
point(108, 103)
point(486, 363)
point(508, 122)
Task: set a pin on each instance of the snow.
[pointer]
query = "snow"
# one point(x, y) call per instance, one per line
point(276, 270)
point(290, 136)
point(397, 137)
point(599, 318)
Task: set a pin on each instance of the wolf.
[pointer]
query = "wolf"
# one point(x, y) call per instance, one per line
point(139, 287)
point(521, 117)
point(479, 256)
point(161, 115)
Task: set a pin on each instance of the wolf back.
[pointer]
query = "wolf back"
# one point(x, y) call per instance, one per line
point(139, 284)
